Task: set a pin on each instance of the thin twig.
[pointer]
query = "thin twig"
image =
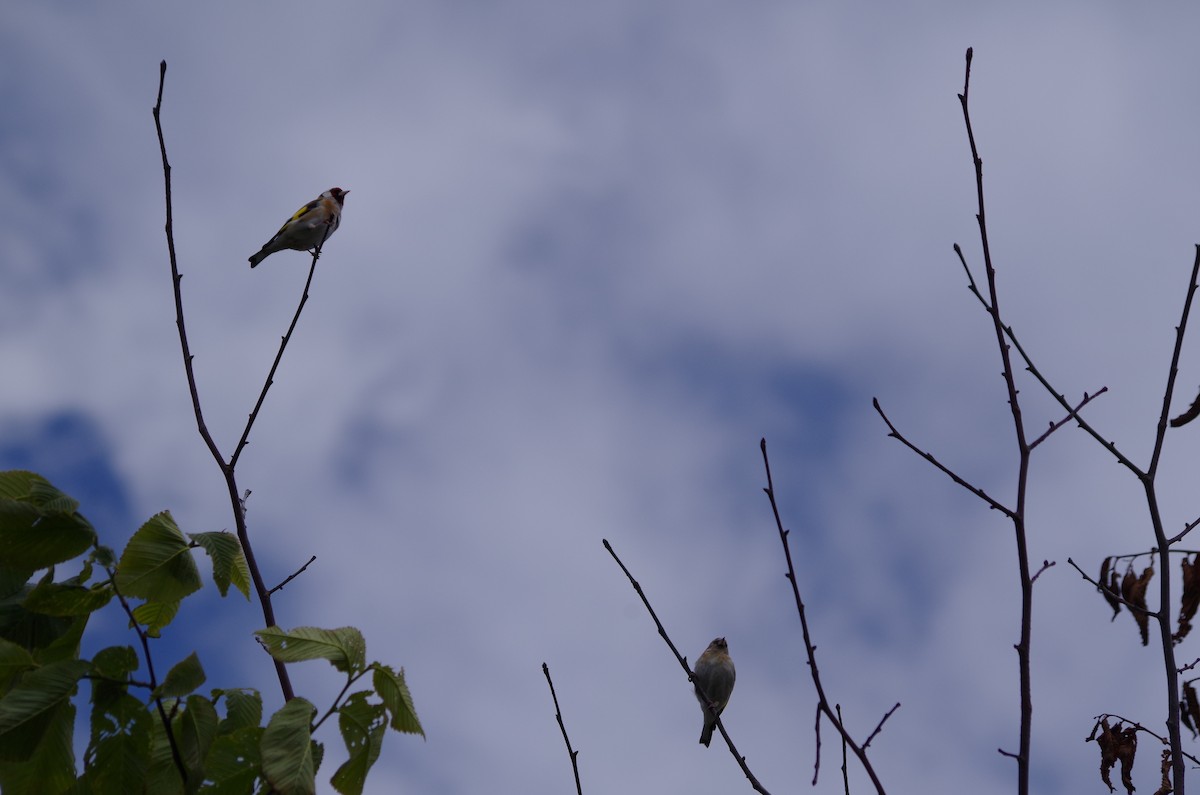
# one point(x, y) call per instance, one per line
point(563, 728)
point(176, 756)
point(1108, 591)
point(337, 701)
point(845, 756)
point(823, 705)
point(691, 674)
point(262, 396)
point(1189, 527)
point(879, 727)
point(1046, 564)
point(293, 575)
point(1054, 426)
point(950, 473)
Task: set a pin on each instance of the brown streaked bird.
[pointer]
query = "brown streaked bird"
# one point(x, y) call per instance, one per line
point(714, 677)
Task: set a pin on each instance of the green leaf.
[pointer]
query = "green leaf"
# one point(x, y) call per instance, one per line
point(12, 580)
point(287, 752)
point(28, 709)
point(229, 564)
point(39, 525)
point(51, 765)
point(243, 708)
point(392, 688)
point(155, 615)
point(39, 633)
point(363, 725)
point(345, 648)
point(14, 661)
point(195, 730)
point(115, 662)
point(22, 486)
point(118, 753)
point(55, 599)
point(183, 678)
point(234, 762)
point(157, 564)
point(103, 556)
point(65, 644)
point(162, 775)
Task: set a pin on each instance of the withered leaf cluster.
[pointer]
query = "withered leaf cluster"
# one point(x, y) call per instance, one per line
point(1128, 590)
point(1117, 744)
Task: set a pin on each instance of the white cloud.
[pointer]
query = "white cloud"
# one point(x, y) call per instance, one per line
point(590, 255)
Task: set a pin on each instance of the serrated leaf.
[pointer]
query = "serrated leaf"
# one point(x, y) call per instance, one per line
point(65, 644)
point(287, 753)
point(24, 486)
point(234, 761)
point(363, 725)
point(55, 599)
point(157, 564)
point(162, 774)
point(40, 634)
point(195, 730)
point(33, 537)
point(27, 710)
point(50, 767)
point(155, 615)
point(115, 662)
point(118, 752)
point(393, 689)
point(13, 580)
point(345, 647)
point(243, 708)
point(229, 562)
point(183, 678)
point(14, 661)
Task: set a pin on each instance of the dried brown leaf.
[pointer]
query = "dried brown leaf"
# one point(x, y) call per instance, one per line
point(1133, 591)
point(1117, 744)
point(1165, 788)
point(1189, 709)
point(1190, 599)
point(1109, 590)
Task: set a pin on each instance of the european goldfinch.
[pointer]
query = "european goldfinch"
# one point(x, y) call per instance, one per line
point(312, 224)
point(714, 678)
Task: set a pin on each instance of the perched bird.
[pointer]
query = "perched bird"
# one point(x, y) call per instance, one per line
point(309, 227)
point(714, 678)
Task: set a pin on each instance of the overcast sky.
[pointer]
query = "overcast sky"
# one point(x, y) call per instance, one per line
point(592, 253)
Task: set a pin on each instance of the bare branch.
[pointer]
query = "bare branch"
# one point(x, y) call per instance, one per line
point(683, 664)
point(1046, 564)
point(226, 467)
point(1054, 426)
point(293, 575)
point(879, 727)
point(950, 473)
point(563, 727)
point(823, 705)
